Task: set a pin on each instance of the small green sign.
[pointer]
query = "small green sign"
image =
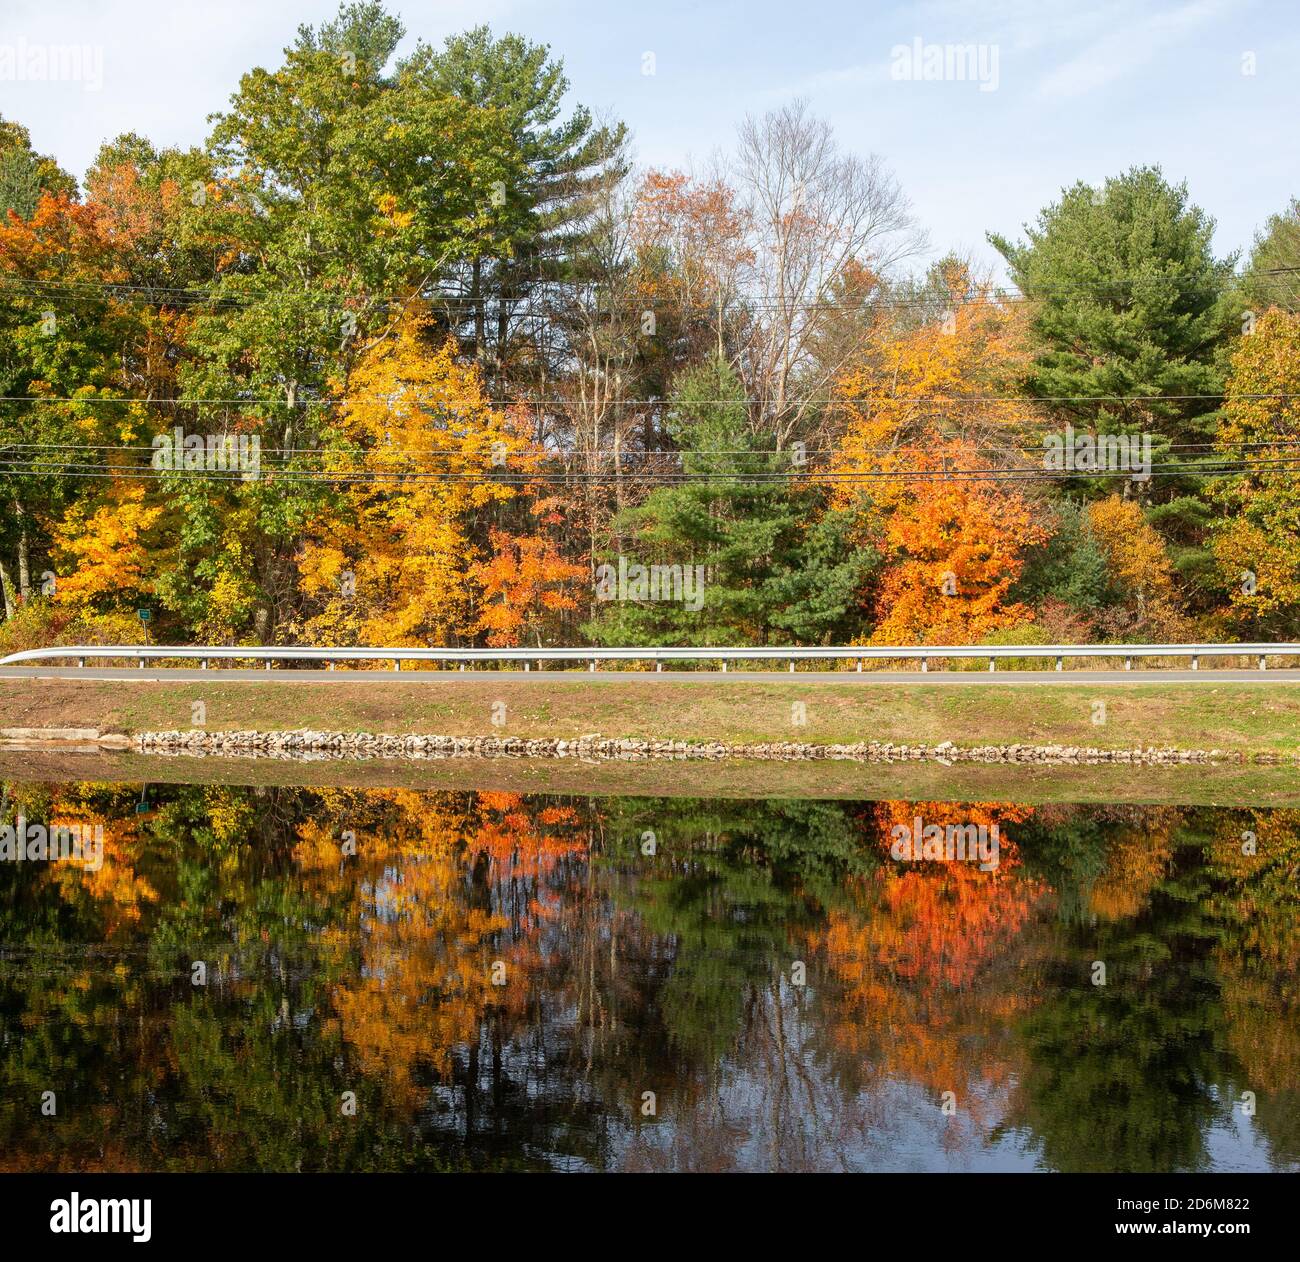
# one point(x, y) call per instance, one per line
point(145, 614)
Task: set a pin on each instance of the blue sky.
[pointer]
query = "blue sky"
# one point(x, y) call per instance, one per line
point(1081, 90)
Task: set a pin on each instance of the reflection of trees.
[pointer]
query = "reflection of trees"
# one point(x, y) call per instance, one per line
point(923, 961)
point(721, 914)
point(627, 972)
point(1258, 957)
point(1130, 1075)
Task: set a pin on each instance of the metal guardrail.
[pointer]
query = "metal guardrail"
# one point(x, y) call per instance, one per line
point(858, 653)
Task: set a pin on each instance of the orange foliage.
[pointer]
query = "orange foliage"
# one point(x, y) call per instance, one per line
point(954, 548)
point(931, 402)
point(525, 578)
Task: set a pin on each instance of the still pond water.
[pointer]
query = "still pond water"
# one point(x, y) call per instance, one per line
point(494, 981)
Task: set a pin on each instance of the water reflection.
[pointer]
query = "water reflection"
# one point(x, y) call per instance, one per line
point(511, 982)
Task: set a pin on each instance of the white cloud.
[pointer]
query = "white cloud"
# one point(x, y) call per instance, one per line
point(1123, 52)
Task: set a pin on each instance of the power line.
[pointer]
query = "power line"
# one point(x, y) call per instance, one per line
point(748, 401)
point(603, 453)
point(755, 300)
point(850, 477)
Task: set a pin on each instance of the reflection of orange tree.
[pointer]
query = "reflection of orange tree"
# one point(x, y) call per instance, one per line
point(917, 960)
point(426, 926)
point(1137, 859)
point(115, 885)
point(522, 845)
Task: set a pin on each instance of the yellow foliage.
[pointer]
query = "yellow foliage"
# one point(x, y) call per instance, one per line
point(102, 553)
point(393, 567)
point(1257, 542)
point(936, 384)
point(1139, 567)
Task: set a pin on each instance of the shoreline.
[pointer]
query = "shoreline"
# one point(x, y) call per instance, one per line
point(303, 744)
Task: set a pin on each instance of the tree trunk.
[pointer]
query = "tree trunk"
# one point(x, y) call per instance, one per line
point(7, 585)
point(24, 565)
point(476, 298)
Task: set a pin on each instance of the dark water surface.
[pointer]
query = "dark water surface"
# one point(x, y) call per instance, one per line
point(502, 982)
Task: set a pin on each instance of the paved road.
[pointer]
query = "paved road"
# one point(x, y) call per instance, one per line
point(604, 676)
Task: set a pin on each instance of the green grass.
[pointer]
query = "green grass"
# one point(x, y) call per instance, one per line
point(1248, 718)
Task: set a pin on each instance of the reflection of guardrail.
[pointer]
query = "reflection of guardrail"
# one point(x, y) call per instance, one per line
point(857, 653)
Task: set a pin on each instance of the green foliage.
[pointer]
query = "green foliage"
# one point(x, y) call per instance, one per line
point(25, 174)
point(745, 519)
point(1128, 300)
point(1069, 567)
point(1273, 274)
point(544, 206)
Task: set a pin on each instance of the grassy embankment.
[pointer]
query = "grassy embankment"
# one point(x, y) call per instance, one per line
point(1233, 717)
point(1251, 718)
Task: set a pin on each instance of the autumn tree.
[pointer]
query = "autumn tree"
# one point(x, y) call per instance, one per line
point(59, 372)
point(1141, 575)
point(926, 422)
point(692, 242)
point(422, 458)
point(526, 583)
point(1257, 533)
point(338, 194)
point(954, 546)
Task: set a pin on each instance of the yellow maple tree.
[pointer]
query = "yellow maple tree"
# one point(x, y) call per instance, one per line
point(1140, 571)
point(425, 455)
point(103, 551)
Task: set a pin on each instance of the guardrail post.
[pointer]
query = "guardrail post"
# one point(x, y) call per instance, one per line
point(182, 656)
